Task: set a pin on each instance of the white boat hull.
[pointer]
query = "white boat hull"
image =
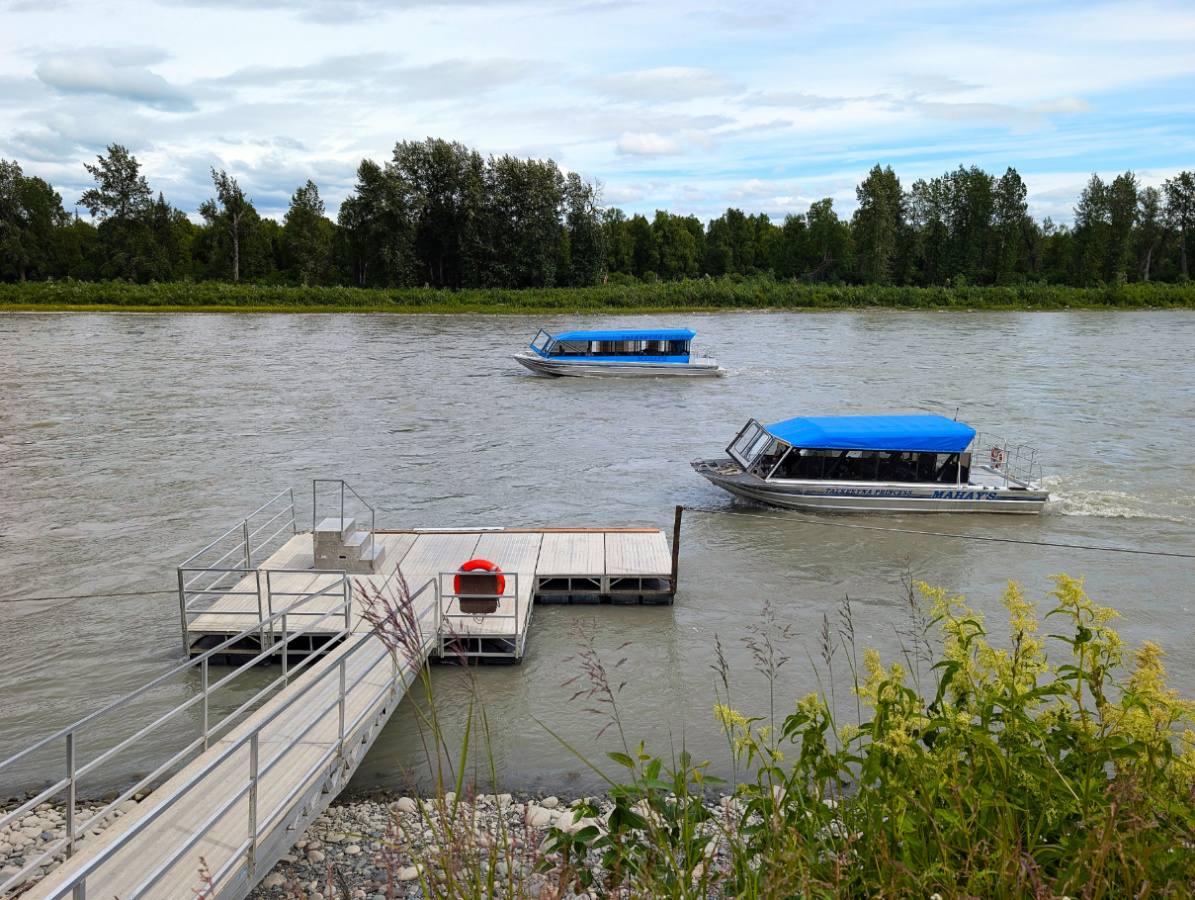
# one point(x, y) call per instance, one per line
point(581, 367)
point(874, 497)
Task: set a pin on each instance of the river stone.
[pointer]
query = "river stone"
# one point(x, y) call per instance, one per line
point(538, 818)
point(315, 856)
point(404, 805)
point(273, 880)
point(352, 850)
point(550, 802)
point(407, 873)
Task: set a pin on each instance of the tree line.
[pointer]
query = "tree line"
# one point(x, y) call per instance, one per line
point(439, 214)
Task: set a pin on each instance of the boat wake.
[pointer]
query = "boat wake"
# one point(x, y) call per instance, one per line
point(1100, 504)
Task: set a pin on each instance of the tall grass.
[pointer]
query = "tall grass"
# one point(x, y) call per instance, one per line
point(978, 768)
point(697, 294)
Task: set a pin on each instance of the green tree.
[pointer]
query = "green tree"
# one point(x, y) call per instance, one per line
point(643, 243)
point(1180, 210)
point(231, 213)
point(122, 193)
point(676, 246)
point(307, 236)
point(378, 218)
point(122, 200)
point(1151, 229)
point(877, 224)
point(30, 213)
point(446, 184)
point(586, 234)
point(620, 246)
point(1010, 217)
point(830, 242)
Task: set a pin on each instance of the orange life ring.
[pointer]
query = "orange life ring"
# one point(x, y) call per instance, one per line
point(997, 457)
point(479, 565)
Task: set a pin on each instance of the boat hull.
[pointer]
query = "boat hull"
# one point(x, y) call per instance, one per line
point(873, 497)
point(583, 368)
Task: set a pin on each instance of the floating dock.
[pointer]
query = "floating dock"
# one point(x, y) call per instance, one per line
point(617, 565)
point(245, 785)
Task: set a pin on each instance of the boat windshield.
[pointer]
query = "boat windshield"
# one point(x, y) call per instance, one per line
point(541, 342)
point(748, 443)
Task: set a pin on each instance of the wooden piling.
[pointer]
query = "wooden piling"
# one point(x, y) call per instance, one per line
point(675, 549)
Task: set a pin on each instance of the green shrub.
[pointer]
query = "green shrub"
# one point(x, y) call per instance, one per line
point(619, 296)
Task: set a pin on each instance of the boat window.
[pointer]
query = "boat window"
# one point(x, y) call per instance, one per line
point(766, 460)
point(570, 348)
point(748, 443)
point(869, 465)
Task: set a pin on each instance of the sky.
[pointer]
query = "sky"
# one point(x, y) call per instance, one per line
point(687, 106)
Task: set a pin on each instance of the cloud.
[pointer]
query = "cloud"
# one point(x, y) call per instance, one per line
point(446, 79)
point(793, 100)
point(936, 84)
point(756, 189)
point(648, 145)
point(614, 196)
point(124, 80)
point(757, 128)
point(666, 84)
point(332, 12)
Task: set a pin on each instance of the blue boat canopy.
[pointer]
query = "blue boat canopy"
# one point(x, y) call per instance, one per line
point(935, 434)
point(647, 334)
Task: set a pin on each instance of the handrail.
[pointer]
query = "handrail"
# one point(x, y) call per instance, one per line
point(510, 592)
point(70, 732)
point(251, 739)
point(270, 502)
point(248, 546)
point(373, 523)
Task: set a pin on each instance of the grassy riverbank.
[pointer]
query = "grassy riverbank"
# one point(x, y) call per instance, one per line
point(978, 767)
point(676, 296)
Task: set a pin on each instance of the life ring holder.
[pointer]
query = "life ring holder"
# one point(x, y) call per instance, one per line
point(997, 457)
point(480, 565)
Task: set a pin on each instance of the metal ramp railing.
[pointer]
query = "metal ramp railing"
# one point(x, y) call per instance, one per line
point(219, 567)
point(195, 723)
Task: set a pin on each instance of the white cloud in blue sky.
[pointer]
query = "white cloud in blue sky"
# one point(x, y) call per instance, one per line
point(689, 106)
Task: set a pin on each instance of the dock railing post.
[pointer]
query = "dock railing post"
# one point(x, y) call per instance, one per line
point(343, 680)
point(245, 538)
point(285, 654)
point(675, 550)
point(252, 861)
point(203, 670)
point(70, 794)
point(182, 608)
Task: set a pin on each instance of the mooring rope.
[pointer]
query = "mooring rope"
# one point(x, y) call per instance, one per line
point(946, 534)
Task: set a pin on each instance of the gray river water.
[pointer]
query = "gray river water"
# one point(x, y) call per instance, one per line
point(127, 442)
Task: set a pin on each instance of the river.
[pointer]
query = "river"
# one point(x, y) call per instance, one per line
point(129, 441)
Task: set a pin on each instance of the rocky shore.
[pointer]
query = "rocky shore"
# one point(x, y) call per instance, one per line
point(375, 847)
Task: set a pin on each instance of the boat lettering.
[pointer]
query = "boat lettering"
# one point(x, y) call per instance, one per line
point(963, 495)
point(866, 492)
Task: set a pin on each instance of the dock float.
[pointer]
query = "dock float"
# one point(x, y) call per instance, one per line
point(247, 783)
